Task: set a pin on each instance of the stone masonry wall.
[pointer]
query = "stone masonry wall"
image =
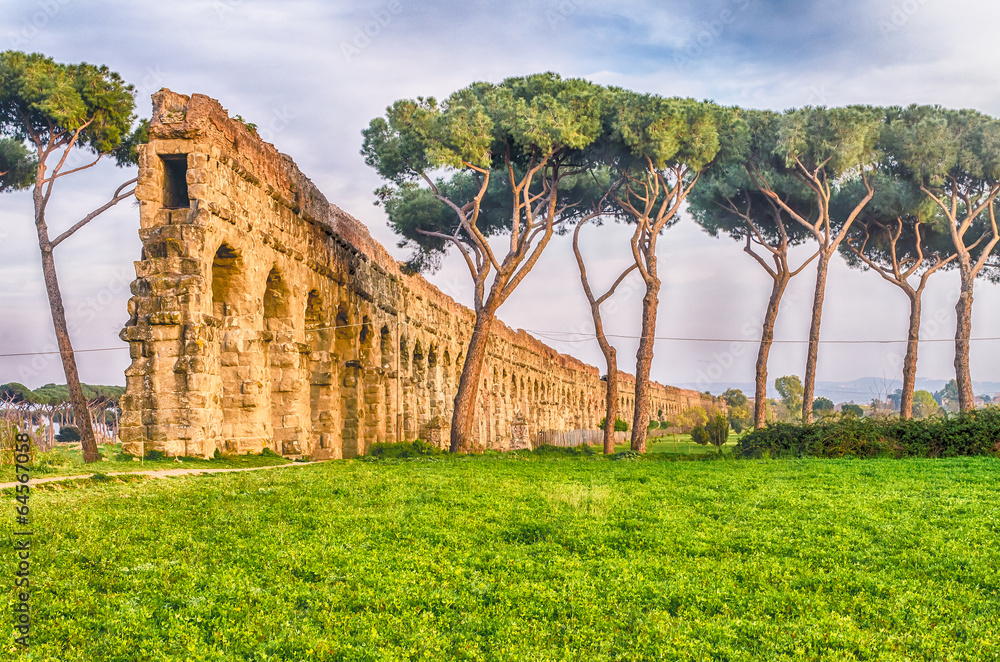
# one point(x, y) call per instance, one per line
point(264, 316)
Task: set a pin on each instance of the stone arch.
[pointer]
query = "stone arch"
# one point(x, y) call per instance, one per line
point(314, 310)
point(404, 356)
point(371, 406)
point(417, 368)
point(230, 360)
point(345, 335)
point(276, 300)
point(418, 385)
point(323, 409)
point(281, 366)
point(388, 358)
point(434, 383)
point(367, 332)
point(228, 283)
point(385, 347)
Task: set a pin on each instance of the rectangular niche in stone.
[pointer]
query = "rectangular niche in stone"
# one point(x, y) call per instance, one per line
point(175, 188)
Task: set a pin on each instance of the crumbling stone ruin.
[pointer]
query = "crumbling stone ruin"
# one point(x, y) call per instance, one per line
point(265, 317)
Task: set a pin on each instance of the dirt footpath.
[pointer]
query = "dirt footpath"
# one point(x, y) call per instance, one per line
point(155, 473)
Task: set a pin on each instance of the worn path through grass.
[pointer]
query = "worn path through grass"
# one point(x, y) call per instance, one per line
point(153, 473)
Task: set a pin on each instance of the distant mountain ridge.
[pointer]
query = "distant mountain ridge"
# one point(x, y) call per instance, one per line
point(859, 390)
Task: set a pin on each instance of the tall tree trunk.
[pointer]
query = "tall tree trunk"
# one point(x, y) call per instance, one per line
point(809, 384)
point(610, 354)
point(611, 404)
point(50, 433)
point(644, 361)
point(963, 331)
point(766, 340)
point(468, 383)
point(611, 360)
point(910, 359)
point(87, 441)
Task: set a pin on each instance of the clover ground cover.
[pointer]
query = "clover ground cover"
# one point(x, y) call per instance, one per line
point(501, 558)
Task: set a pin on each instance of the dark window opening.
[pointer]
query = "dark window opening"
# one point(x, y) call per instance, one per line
point(175, 188)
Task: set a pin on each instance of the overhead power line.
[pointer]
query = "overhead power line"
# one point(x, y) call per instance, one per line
point(588, 337)
point(554, 337)
point(75, 351)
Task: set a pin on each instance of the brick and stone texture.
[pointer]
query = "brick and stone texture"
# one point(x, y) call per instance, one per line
point(263, 316)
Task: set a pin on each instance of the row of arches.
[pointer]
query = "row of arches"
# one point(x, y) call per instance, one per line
point(316, 370)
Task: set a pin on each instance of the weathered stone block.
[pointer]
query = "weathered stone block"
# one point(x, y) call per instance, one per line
point(172, 332)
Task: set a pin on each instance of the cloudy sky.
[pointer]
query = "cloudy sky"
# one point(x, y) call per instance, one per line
point(311, 74)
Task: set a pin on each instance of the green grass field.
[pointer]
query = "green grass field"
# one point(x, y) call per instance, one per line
point(523, 558)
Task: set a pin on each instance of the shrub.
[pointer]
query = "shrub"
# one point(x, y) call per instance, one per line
point(852, 409)
point(620, 425)
point(404, 449)
point(573, 451)
point(973, 433)
point(714, 432)
point(68, 433)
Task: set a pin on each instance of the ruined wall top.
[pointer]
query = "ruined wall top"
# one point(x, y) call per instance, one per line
point(179, 116)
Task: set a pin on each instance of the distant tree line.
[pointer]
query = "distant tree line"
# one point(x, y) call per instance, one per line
point(38, 411)
point(786, 408)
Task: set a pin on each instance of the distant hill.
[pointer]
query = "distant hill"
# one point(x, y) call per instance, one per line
point(859, 390)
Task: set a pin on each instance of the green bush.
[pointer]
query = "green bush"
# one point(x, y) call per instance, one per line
point(852, 410)
point(404, 449)
point(68, 433)
point(974, 433)
point(620, 425)
point(715, 431)
point(547, 450)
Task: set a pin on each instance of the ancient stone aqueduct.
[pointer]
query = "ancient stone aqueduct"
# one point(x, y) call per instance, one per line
point(263, 316)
